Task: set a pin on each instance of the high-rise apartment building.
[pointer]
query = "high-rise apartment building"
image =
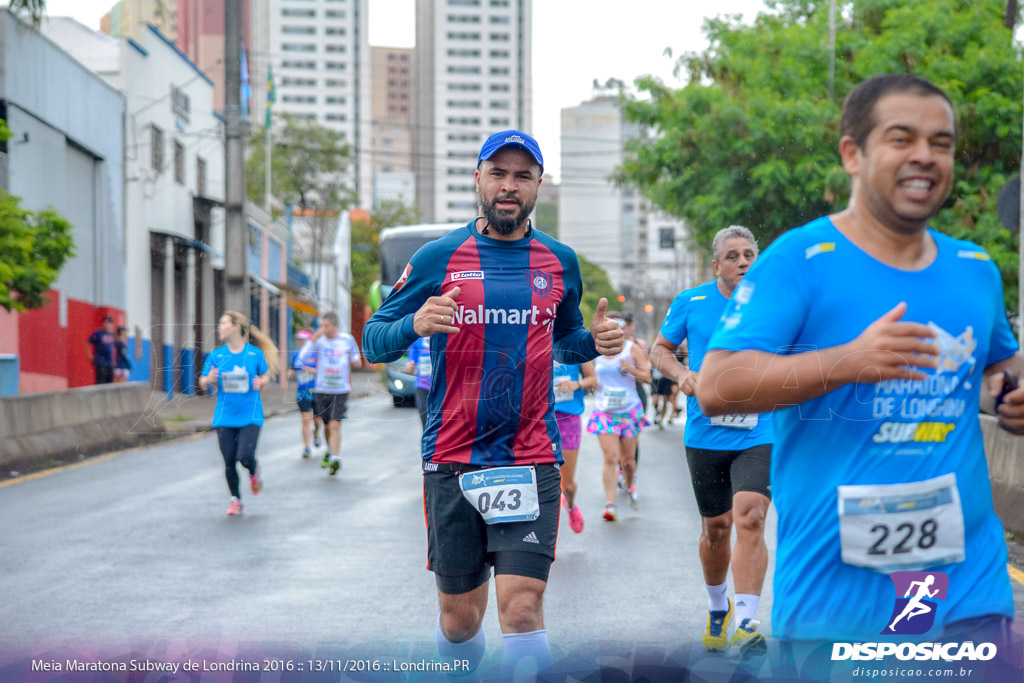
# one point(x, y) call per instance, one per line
point(642, 250)
point(391, 125)
point(473, 77)
point(320, 54)
point(201, 37)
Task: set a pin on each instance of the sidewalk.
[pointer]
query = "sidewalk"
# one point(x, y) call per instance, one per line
point(189, 414)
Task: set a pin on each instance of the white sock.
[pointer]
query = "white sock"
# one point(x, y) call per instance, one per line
point(718, 599)
point(525, 655)
point(470, 651)
point(746, 606)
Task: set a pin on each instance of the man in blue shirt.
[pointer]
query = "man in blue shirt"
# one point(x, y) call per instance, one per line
point(101, 351)
point(728, 456)
point(875, 338)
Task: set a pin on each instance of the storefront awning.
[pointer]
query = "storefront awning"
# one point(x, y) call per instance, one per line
point(300, 305)
point(265, 284)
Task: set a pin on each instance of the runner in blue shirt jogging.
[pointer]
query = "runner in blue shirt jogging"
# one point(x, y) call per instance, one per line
point(304, 374)
point(728, 457)
point(240, 369)
point(875, 338)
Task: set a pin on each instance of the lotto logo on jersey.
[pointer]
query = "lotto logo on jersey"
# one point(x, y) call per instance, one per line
point(916, 595)
point(540, 282)
point(468, 275)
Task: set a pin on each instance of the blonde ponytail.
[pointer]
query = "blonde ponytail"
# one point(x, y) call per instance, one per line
point(252, 335)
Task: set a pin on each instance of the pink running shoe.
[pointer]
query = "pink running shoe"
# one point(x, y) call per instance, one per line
point(576, 519)
point(256, 481)
point(236, 507)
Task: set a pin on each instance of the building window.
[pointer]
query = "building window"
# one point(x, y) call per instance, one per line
point(156, 148)
point(463, 137)
point(500, 54)
point(463, 36)
point(463, 121)
point(465, 70)
point(298, 13)
point(201, 176)
point(298, 47)
point(299, 99)
point(501, 19)
point(299, 30)
point(468, 87)
point(499, 71)
point(335, 100)
point(336, 117)
point(463, 19)
point(336, 83)
point(461, 171)
point(298, 65)
point(179, 163)
point(666, 238)
point(501, 122)
point(335, 14)
point(334, 31)
point(463, 53)
point(461, 188)
point(499, 104)
point(464, 3)
point(499, 3)
point(335, 66)
point(500, 37)
point(468, 154)
point(464, 104)
point(299, 81)
point(335, 48)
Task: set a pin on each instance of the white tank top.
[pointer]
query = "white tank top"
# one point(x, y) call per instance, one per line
point(617, 391)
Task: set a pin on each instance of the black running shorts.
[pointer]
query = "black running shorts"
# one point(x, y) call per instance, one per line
point(329, 407)
point(462, 548)
point(718, 475)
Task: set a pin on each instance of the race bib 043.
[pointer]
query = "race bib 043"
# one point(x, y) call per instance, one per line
point(502, 494)
point(902, 527)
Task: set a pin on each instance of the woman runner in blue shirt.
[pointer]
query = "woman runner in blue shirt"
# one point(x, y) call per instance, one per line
point(240, 370)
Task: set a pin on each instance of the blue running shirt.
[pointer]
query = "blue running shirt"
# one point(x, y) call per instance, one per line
point(238, 404)
point(693, 316)
point(814, 289)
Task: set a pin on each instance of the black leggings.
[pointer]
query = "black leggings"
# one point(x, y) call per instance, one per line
point(238, 444)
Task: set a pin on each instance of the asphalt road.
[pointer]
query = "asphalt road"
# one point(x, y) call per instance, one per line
point(133, 553)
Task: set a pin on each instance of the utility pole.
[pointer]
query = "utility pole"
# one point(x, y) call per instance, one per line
point(236, 277)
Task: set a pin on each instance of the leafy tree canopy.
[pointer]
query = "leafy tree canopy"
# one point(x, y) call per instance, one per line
point(366, 244)
point(753, 138)
point(307, 165)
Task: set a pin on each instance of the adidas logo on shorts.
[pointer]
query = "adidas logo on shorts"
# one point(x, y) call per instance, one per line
point(531, 538)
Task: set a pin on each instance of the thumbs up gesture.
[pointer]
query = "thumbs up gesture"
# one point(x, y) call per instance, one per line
point(608, 336)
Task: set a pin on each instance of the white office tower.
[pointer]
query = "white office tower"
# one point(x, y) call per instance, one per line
point(320, 54)
point(473, 77)
point(642, 250)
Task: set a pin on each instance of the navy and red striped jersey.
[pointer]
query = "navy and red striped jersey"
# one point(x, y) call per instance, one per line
point(490, 400)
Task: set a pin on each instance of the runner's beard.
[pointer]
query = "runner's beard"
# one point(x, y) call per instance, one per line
point(505, 222)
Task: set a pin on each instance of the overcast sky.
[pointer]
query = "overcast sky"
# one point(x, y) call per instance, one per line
point(574, 42)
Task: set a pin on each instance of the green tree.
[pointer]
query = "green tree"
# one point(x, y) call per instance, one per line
point(752, 139)
point(33, 8)
point(595, 286)
point(307, 164)
point(34, 245)
point(366, 244)
point(547, 218)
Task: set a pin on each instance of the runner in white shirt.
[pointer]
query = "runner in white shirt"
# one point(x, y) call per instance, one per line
point(618, 416)
point(333, 352)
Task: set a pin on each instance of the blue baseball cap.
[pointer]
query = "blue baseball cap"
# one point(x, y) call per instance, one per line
point(511, 138)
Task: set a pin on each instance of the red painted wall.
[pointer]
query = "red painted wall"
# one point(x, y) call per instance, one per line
point(48, 349)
